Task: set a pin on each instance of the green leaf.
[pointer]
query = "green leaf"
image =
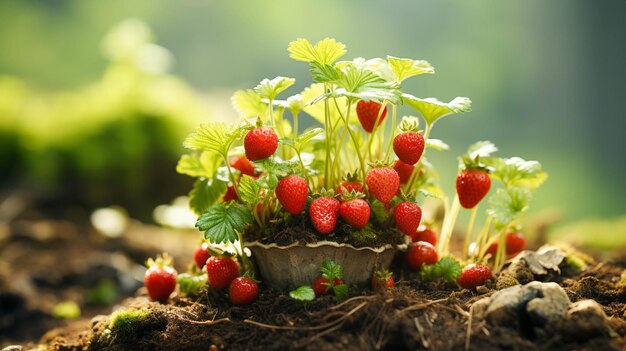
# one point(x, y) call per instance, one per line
point(302, 139)
point(362, 83)
point(506, 205)
point(249, 190)
point(341, 291)
point(331, 270)
point(437, 144)
point(517, 172)
point(215, 137)
point(326, 51)
point(295, 104)
point(204, 164)
point(322, 73)
point(190, 284)
point(304, 293)
point(274, 168)
point(269, 89)
point(221, 222)
point(205, 192)
point(404, 68)
point(248, 103)
point(191, 166)
point(450, 268)
point(314, 106)
point(432, 109)
point(481, 149)
point(66, 310)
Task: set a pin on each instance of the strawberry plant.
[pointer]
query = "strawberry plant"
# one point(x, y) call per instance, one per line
point(358, 174)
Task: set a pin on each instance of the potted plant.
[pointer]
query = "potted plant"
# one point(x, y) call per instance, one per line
point(346, 190)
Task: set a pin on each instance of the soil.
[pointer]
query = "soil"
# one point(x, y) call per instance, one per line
point(299, 229)
point(411, 316)
point(45, 261)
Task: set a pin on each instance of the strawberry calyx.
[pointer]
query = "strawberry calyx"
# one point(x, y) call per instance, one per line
point(162, 260)
point(409, 124)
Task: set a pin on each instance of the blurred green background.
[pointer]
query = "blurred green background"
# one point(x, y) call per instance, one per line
point(546, 80)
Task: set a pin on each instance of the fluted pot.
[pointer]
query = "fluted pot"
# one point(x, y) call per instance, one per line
point(288, 267)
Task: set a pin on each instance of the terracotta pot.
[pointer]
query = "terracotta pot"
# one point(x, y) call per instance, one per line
point(288, 267)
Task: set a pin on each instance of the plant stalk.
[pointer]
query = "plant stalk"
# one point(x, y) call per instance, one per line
point(448, 226)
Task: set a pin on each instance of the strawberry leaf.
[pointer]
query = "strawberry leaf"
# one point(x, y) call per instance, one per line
point(249, 190)
point(215, 137)
point(331, 270)
point(295, 104)
point(432, 109)
point(199, 165)
point(323, 73)
point(357, 81)
point(341, 291)
point(437, 144)
point(325, 52)
point(205, 192)
point(516, 171)
point(190, 284)
point(447, 268)
point(404, 68)
point(481, 149)
point(304, 293)
point(269, 89)
point(506, 205)
point(314, 106)
point(222, 222)
point(274, 168)
point(248, 103)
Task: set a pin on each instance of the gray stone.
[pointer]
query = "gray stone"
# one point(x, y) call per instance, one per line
point(540, 302)
point(549, 306)
point(585, 319)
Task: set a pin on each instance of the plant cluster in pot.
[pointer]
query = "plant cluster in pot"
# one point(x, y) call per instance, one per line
point(345, 188)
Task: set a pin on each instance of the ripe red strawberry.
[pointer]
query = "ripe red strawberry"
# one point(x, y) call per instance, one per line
point(408, 146)
point(292, 192)
point(160, 279)
point(404, 171)
point(515, 243)
point(349, 186)
point(425, 234)
point(407, 216)
point(201, 255)
point(420, 253)
point(367, 111)
point(474, 275)
point(243, 165)
point(321, 285)
point(355, 212)
point(324, 212)
point(472, 185)
point(260, 143)
point(242, 291)
point(230, 195)
point(383, 183)
point(221, 271)
point(382, 279)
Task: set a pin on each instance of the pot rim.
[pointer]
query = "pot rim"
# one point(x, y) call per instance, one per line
point(325, 243)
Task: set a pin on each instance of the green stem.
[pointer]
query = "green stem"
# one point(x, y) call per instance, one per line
point(271, 108)
point(448, 226)
point(354, 141)
point(394, 109)
point(468, 232)
point(295, 125)
point(231, 176)
point(483, 238)
point(327, 127)
point(501, 252)
point(247, 265)
point(338, 152)
point(304, 171)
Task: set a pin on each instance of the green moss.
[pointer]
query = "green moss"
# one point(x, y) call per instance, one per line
point(128, 321)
